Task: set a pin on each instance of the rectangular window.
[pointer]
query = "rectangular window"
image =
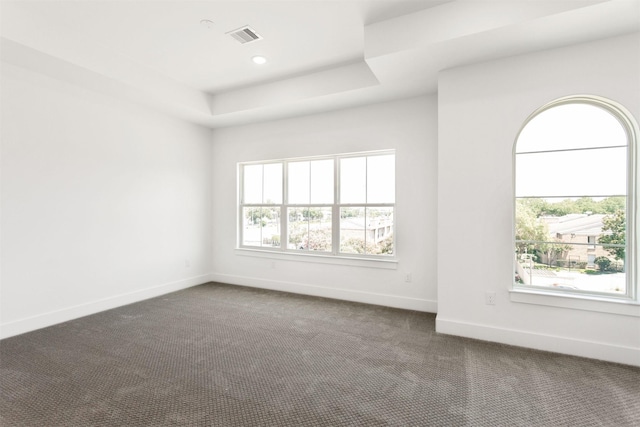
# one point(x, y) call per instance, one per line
point(341, 205)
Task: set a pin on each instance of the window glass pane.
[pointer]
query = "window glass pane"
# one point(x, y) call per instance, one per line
point(381, 175)
point(322, 181)
point(298, 182)
point(352, 234)
point(251, 226)
point(270, 227)
point(366, 230)
point(309, 229)
point(571, 126)
point(252, 180)
point(353, 180)
point(572, 173)
point(272, 183)
point(563, 265)
point(569, 242)
point(379, 231)
point(261, 227)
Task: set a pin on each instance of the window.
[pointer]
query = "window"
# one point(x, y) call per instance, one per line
point(341, 205)
point(574, 200)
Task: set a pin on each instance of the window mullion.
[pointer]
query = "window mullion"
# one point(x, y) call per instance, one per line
point(284, 211)
point(240, 213)
point(335, 211)
point(366, 199)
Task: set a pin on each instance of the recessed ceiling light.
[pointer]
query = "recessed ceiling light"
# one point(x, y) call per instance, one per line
point(208, 24)
point(259, 60)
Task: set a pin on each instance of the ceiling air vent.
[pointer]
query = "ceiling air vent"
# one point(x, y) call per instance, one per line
point(245, 35)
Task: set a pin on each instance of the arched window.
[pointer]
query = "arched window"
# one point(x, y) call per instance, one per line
point(574, 168)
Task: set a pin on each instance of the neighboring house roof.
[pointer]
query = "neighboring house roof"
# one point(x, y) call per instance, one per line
point(578, 224)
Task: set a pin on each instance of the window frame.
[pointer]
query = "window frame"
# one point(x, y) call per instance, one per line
point(335, 207)
point(541, 294)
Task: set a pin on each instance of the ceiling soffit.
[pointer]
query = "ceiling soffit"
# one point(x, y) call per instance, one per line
point(400, 57)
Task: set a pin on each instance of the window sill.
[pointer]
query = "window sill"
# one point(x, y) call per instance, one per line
point(576, 302)
point(388, 264)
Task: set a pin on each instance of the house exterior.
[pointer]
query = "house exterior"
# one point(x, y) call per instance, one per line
point(376, 229)
point(580, 233)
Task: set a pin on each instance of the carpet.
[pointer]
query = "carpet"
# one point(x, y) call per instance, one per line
point(222, 355)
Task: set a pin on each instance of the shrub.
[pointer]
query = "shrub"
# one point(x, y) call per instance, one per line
point(603, 263)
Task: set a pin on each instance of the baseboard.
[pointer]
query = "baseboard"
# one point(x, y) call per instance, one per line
point(395, 301)
point(553, 343)
point(22, 326)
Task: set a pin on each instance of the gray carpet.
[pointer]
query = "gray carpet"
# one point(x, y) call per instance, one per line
point(224, 355)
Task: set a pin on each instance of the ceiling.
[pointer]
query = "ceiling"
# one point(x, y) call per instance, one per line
point(322, 55)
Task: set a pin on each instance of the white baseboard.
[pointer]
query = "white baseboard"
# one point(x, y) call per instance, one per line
point(553, 343)
point(21, 326)
point(395, 301)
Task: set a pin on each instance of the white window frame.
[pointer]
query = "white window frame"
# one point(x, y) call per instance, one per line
point(628, 303)
point(283, 252)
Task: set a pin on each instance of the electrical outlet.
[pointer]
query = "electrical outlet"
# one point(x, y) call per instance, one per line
point(187, 263)
point(273, 264)
point(490, 298)
point(407, 277)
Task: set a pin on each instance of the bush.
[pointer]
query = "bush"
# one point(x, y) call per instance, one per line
point(603, 263)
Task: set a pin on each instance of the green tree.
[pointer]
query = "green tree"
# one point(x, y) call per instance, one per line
point(386, 245)
point(350, 212)
point(582, 205)
point(615, 228)
point(553, 251)
point(312, 213)
point(535, 207)
point(611, 205)
point(528, 227)
point(254, 215)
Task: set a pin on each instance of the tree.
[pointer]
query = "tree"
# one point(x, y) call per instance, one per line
point(350, 212)
point(319, 240)
point(614, 226)
point(386, 246)
point(354, 245)
point(554, 251)
point(582, 205)
point(312, 214)
point(528, 227)
point(260, 216)
point(586, 204)
point(611, 205)
point(254, 215)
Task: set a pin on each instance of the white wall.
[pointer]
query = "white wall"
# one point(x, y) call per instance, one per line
point(480, 111)
point(409, 126)
point(103, 202)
